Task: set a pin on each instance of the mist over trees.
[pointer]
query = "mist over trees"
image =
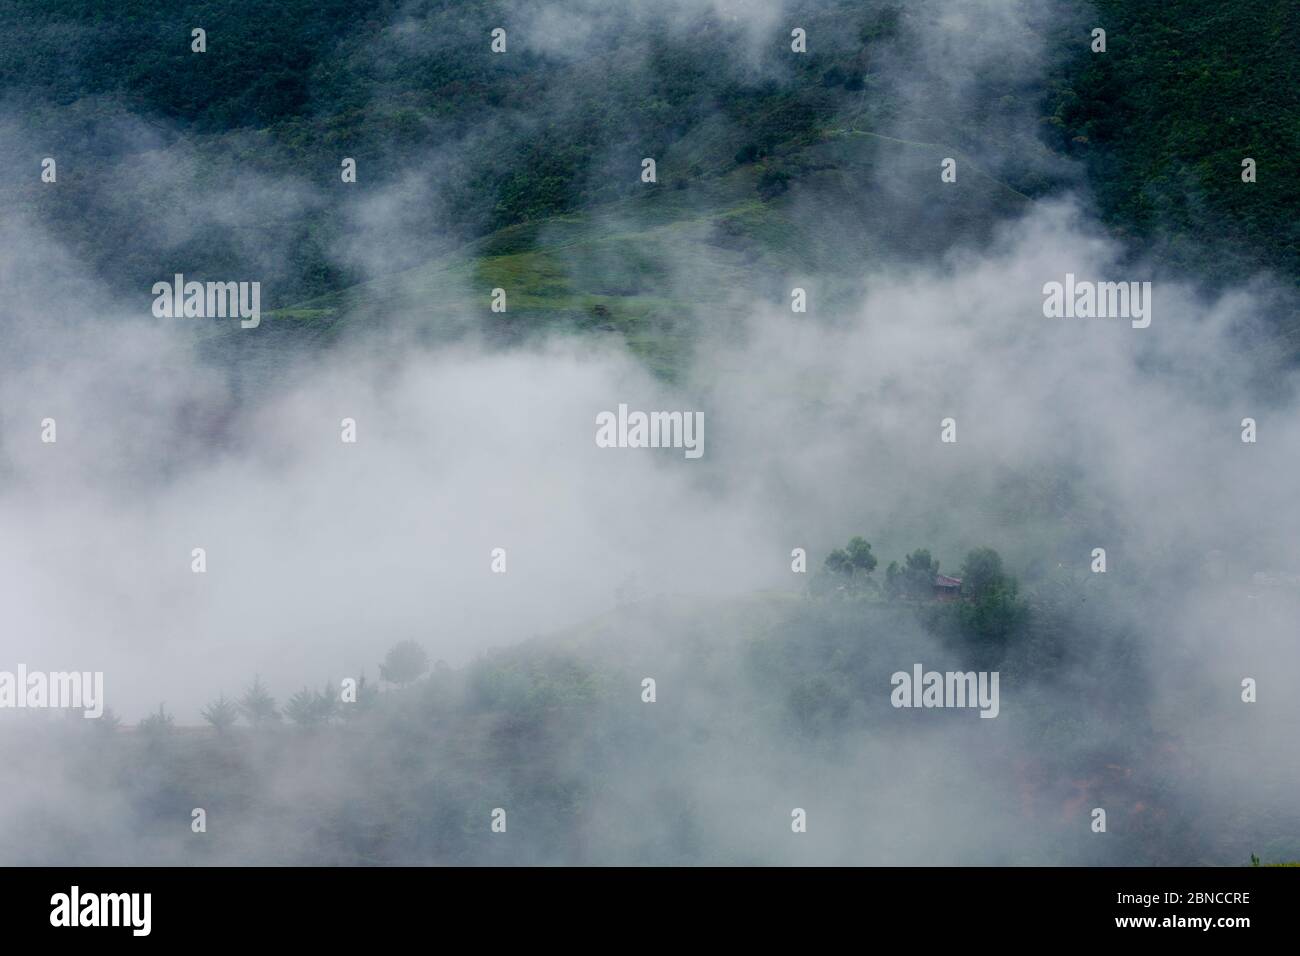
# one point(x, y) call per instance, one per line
point(405, 661)
point(658, 679)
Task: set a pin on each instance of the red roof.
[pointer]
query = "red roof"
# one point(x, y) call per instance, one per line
point(943, 581)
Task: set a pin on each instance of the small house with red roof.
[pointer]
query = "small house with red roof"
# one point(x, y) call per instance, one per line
point(946, 588)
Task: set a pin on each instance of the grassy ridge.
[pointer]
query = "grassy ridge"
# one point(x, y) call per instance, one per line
point(687, 253)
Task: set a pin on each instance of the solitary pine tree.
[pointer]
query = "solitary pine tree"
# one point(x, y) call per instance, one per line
point(257, 705)
point(303, 708)
point(221, 713)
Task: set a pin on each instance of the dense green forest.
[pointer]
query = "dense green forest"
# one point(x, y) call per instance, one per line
point(1160, 123)
point(1165, 117)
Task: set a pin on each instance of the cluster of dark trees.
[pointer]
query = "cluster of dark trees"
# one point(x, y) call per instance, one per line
point(849, 570)
point(991, 610)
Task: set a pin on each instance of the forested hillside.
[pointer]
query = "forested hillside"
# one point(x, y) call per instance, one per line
point(756, 702)
point(836, 255)
point(412, 91)
point(1164, 119)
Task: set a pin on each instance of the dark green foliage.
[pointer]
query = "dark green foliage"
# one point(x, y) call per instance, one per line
point(773, 182)
point(1161, 121)
point(529, 682)
point(854, 559)
point(848, 569)
point(982, 574)
point(993, 612)
point(1164, 118)
point(915, 579)
point(405, 661)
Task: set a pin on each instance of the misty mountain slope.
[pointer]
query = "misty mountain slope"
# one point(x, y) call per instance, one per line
point(758, 707)
point(242, 144)
point(690, 251)
point(295, 500)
